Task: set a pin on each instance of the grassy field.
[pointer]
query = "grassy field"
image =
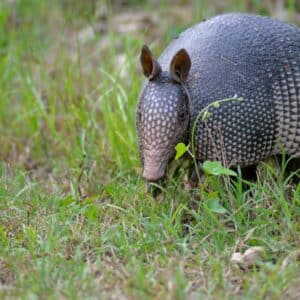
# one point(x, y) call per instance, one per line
point(75, 221)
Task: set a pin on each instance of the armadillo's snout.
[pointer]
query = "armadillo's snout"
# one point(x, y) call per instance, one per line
point(154, 169)
point(152, 174)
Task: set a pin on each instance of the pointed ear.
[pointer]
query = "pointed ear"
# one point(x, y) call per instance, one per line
point(180, 66)
point(150, 65)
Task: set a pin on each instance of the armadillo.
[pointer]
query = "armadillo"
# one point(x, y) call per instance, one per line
point(252, 58)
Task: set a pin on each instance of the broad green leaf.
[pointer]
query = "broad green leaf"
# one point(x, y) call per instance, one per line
point(216, 168)
point(180, 148)
point(215, 206)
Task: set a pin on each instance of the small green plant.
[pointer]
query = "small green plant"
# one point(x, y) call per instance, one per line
point(212, 168)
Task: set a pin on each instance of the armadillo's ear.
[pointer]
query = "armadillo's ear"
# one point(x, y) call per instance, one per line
point(150, 65)
point(180, 66)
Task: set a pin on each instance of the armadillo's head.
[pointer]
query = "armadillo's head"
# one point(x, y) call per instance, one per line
point(163, 112)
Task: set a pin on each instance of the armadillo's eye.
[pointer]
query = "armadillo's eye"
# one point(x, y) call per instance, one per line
point(181, 115)
point(139, 116)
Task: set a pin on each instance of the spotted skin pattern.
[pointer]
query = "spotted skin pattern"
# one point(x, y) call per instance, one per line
point(241, 55)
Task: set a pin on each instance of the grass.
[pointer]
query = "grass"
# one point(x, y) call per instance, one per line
point(75, 221)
